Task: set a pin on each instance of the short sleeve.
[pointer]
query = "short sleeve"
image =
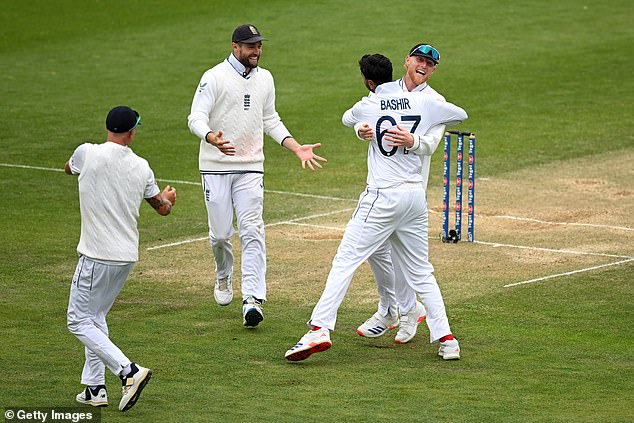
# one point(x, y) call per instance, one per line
point(151, 187)
point(78, 158)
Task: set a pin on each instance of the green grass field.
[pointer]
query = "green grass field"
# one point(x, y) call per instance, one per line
point(547, 85)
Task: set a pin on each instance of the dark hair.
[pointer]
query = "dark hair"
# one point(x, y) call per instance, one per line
point(376, 68)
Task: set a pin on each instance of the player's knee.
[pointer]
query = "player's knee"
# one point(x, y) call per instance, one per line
point(252, 233)
point(220, 241)
point(74, 326)
point(78, 326)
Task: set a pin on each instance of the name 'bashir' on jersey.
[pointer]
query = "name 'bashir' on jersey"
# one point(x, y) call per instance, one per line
point(388, 106)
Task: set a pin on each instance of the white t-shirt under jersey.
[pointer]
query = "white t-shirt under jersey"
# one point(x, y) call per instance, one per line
point(113, 181)
point(390, 106)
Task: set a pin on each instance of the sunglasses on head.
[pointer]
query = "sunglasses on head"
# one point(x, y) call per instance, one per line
point(138, 122)
point(427, 50)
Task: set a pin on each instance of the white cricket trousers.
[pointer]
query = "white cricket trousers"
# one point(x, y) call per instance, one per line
point(244, 194)
point(400, 216)
point(393, 298)
point(94, 288)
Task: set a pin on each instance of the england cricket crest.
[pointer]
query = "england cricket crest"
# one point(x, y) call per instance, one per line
point(247, 101)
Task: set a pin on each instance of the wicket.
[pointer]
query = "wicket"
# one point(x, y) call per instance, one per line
point(455, 235)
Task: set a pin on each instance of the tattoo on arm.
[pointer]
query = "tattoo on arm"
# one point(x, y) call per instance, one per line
point(161, 205)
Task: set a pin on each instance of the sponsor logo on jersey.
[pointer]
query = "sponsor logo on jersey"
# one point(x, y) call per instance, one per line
point(247, 101)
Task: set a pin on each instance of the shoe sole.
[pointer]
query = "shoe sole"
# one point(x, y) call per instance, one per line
point(94, 404)
point(304, 354)
point(252, 318)
point(135, 396)
point(450, 356)
point(405, 341)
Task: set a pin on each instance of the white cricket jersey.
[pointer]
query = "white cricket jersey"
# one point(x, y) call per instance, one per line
point(243, 108)
point(113, 181)
point(390, 106)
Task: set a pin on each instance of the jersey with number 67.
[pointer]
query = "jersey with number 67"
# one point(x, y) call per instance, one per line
point(388, 106)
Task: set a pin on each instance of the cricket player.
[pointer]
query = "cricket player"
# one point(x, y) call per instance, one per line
point(397, 305)
point(393, 207)
point(113, 181)
point(234, 105)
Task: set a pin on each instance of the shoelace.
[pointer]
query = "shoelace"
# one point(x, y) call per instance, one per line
point(223, 284)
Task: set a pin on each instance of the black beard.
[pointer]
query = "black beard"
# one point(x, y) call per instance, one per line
point(246, 63)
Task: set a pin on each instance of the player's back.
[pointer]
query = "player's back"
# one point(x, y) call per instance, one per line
point(388, 107)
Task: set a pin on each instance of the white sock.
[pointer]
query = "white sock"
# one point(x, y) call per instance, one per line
point(126, 370)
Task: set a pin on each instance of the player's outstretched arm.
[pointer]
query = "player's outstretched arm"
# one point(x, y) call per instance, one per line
point(163, 201)
point(305, 153)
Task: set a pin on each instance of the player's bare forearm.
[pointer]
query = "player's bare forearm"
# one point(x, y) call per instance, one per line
point(305, 153)
point(164, 201)
point(67, 168)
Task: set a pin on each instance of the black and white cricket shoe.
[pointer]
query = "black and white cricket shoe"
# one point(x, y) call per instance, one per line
point(95, 396)
point(133, 384)
point(252, 312)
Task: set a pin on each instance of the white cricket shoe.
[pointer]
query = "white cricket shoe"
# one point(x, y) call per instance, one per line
point(377, 325)
point(96, 396)
point(449, 350)
point(133, 384)
point(313, 342)
point(409, 324)
point(223, 291)
point(252, 312)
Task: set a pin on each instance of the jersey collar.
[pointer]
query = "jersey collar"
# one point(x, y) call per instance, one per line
point(240, 68)
point(419, 88)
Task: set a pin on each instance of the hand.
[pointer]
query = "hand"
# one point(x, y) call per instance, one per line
point(221, 144)
point(399, 137)
point(169, 194)
point(306, 155)
point(164, 201)
point(366, 132)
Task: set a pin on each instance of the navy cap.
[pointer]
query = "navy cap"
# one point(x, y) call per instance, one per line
point(122, 119)
point(246, 33)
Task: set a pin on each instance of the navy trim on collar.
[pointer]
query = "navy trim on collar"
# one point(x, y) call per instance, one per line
point(420, 87)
